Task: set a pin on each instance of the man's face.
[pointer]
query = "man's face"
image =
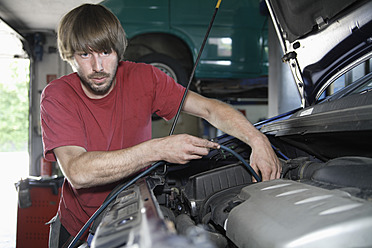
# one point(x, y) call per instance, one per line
point(96, 71)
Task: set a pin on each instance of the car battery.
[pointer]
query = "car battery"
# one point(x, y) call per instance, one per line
point(38, 200)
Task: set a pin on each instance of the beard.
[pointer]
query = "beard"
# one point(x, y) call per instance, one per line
point(98, 88)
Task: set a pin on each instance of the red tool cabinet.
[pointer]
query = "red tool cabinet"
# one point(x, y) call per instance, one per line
point(38, 200)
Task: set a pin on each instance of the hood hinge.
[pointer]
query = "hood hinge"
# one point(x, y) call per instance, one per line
point(291, 59)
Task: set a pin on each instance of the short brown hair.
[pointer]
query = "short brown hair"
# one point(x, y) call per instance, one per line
point(90, 27)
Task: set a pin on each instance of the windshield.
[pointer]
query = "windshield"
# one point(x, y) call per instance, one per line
point(354, 81)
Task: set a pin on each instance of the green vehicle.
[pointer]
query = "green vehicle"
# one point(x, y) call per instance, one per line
point(169, 34)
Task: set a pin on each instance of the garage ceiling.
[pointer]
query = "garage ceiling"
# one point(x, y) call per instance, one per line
point(36, 15)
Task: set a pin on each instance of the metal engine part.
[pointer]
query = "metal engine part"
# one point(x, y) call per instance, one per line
point(284, 213)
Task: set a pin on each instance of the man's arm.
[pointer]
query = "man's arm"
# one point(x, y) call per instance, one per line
point(231, 121)
point(87, 169)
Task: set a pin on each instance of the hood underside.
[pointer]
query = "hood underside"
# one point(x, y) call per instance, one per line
point(321, 38)
point(298, 18)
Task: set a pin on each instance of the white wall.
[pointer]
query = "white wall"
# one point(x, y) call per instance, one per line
point(50, 65)
point(283, 94)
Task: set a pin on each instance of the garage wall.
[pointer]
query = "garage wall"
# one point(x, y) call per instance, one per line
point(43, 71)
point(283, 94)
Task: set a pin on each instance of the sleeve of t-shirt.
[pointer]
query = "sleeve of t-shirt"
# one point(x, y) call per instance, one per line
point(60, 123)
point(168, 95)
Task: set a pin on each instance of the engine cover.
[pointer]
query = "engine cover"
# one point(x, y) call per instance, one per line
point(284, 213)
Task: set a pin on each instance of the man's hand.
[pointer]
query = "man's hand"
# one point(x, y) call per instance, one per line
point(264, 160)
point(231, 121)
point(183, 148)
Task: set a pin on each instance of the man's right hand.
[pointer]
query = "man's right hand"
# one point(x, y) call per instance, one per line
point(183, 148)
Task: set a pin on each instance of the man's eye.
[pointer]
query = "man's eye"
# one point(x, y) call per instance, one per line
point(105, 53)
point(84, 55)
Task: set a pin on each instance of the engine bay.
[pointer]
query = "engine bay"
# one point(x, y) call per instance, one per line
point(213, 202)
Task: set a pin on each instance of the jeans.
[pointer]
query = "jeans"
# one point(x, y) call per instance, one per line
point(59, 237)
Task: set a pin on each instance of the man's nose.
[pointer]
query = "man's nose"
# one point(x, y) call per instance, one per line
point(97, 63)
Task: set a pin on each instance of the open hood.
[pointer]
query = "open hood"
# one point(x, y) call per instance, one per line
point(321, 39)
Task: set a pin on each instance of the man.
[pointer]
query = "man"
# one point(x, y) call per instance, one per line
point(97, 122)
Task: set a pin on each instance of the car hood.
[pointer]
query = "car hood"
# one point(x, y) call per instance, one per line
point(321, 39)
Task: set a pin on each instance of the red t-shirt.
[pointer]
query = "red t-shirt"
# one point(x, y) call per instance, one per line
point(121, 119)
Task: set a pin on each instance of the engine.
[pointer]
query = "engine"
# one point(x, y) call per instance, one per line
point(214, 203)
